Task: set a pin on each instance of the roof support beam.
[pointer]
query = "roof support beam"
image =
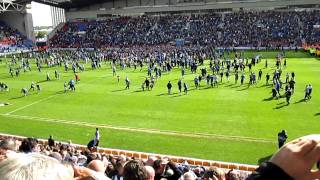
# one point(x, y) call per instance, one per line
point(10, 6)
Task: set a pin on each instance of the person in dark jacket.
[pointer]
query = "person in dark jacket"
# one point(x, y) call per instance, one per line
point(282, 137)
point(51, 141)
point(179, 85)
point(294, 160)
point(169, 86)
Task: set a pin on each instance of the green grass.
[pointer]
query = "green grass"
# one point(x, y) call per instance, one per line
point(230, 110)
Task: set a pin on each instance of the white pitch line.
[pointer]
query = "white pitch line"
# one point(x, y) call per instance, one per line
point(28, 105)
point(144, 130)
point(36, 102)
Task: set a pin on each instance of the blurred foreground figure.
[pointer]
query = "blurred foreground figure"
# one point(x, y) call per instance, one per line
point(294, 160)
point(34, 167)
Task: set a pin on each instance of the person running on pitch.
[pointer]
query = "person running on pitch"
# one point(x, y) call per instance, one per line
point(24, 91)
point(228, 75)
point(221, 76)
point(56, 74)
point(4, 87)
point(38, 87)
point(65, 85)
point(127, 81)
point(147, 82)
point(288, 95)
point(77, 77)
point(259, 74)
point(196, 82)
point(292, 83)
point(274, 92)
point(72, 85)
point(11, 72)
point(282, 137)
point(32, 86)
point(308, 92)
point(215, 80)
point(96, 138)
point(169, 86)
point(48, 76)
point(180, 85)
point(287, 78)
point(114, 70)
point(185, 88)
point(266, 64)
point(267, 78)
point(236, 77)
point(183, 71)
point(118, 78)
point(242, 78)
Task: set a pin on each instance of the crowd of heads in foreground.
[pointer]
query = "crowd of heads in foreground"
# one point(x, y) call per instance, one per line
point(56, 161)
point(27, 160)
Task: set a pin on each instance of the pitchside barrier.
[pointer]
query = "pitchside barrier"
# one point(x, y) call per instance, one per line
point(143, 155)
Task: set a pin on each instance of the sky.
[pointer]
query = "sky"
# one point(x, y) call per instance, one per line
point(41, 14)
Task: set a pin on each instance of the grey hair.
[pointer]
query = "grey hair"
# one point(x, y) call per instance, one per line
point(33, 167)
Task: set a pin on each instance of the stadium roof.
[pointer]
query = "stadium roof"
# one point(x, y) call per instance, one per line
point(62, 3)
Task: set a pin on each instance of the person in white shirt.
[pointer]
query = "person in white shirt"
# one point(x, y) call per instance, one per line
point(97, 137)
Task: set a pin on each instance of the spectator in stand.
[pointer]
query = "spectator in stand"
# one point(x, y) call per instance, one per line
point(271, 29)
point(99, 167)
point(166, 169)
point(134, 170)
point(151, 160)
point(118, 173)
point(189, 176)
point(6, 147)
point(29, 145)
point(294, 160)
point(12, 40)
point(150, 172)
point(214, 173)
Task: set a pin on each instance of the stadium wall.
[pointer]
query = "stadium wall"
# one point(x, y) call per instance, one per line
point(136, 7)
point(22, 21)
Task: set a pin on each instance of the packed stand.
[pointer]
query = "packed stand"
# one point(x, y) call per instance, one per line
point(237, 29)
point(59, 161)
point(311, 24)
point(11, 39)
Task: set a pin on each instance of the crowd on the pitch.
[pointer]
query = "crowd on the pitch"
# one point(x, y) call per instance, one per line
point(236, 29)
point(221, 68)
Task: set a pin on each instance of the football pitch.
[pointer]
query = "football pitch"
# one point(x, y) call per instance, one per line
point(234, 123)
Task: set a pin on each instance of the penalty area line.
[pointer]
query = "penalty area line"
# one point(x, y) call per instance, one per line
point(28, 105)
point(144, 130)
point(39, 101)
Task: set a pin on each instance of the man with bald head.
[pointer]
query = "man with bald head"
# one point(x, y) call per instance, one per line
point(189, 176)
point(97, 165)
point(150, 173)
